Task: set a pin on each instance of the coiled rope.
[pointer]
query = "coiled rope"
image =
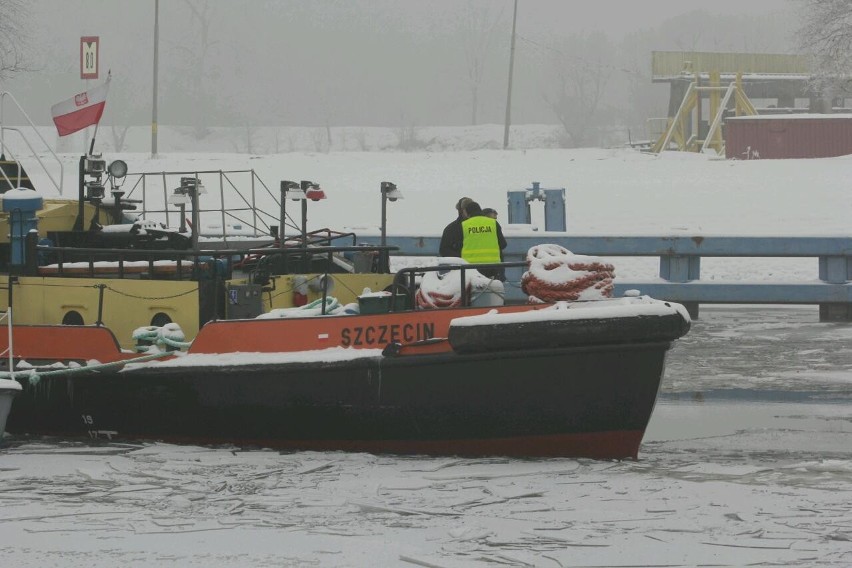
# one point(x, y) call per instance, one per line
point(556, 274)
point(169, 335)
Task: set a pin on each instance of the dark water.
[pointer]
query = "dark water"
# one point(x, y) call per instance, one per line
point(761, 354)
point(762, 374)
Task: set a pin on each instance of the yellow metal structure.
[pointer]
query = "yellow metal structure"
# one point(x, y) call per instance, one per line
point(682, 130)
point(55, 215)
point(669, 64)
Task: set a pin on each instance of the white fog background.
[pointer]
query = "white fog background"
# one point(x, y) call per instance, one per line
point(403, 64)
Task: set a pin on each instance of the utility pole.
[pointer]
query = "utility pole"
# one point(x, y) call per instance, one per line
point(156, 57)
point(511, 66)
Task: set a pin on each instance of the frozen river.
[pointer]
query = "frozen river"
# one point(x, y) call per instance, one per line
point(747, 461)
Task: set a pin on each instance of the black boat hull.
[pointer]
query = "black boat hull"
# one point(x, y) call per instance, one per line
point(592, 401)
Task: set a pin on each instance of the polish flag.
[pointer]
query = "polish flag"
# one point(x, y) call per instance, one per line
point(81, 110)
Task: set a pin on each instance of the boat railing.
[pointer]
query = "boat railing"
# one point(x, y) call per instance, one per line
point(297, 257)
point(155, 189)
point(172, 262)
point(4, 96)
point(180, 264)
point(322, 237)
point(680, 277)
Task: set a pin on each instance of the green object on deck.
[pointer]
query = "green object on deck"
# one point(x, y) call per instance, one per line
point(382, 304)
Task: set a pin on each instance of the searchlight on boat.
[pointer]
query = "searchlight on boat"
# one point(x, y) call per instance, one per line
point(313, 191)
point(390, 191)
point(188, 191)
point(117, 169)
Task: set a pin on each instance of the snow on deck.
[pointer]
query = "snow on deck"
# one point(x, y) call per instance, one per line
point(330, 355)
point(567, 311)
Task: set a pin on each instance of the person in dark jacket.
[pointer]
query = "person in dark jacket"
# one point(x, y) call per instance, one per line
point(451, 239)
point(482, 240)
point(489, 212)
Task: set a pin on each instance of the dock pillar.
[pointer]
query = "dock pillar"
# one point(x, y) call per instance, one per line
point(835, 270)
point(682, 268)
point(554, 206)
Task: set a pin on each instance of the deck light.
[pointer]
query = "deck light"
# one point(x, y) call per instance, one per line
point(188, 192)
point(313, 191)
point(389, 193)
point(192, 184)
point(94, 191)
point(289, 189)
point(94, 165)
point(178, 198)
point(117, 169)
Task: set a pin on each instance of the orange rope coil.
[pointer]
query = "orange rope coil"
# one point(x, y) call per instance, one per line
point(556, 274)
point(435, 300)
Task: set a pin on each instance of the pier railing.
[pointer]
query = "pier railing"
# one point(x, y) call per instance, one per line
point(680, 267)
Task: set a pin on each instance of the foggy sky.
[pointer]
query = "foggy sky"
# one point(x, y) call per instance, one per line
point(373, 62)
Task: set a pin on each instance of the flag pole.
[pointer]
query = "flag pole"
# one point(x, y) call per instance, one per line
point(509, 94)
point(98, 123)
point(92, 146)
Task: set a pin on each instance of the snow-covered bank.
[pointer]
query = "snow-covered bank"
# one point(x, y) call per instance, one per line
point(608, 192)
point(259, 140)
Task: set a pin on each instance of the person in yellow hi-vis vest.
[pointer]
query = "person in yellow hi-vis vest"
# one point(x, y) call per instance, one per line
point(482, 240)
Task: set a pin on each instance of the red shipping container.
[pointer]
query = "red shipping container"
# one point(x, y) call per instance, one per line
point(788, 136)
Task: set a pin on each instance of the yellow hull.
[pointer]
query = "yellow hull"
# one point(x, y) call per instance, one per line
point(130, 303)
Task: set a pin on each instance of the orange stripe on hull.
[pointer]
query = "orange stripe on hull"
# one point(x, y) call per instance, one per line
point(67, 342)
point(358, 331)
point(595, 445)
point(64, 343)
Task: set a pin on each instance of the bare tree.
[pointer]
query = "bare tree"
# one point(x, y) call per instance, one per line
point(319, 139)
point(119, 135)
point(479, 26)
point(13, 38)
point(826, 34)
point(643, 96)
point(582, 67)
point(361, 139)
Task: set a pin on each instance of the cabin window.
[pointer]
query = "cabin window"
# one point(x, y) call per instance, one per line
point(160, 319)
point(73, 318)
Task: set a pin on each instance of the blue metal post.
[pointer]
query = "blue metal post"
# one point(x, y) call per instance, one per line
point(682, 268)
point(519, 208)
point(554, 206)
point(22, 206)
point(835, 270)
point(554, 210)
